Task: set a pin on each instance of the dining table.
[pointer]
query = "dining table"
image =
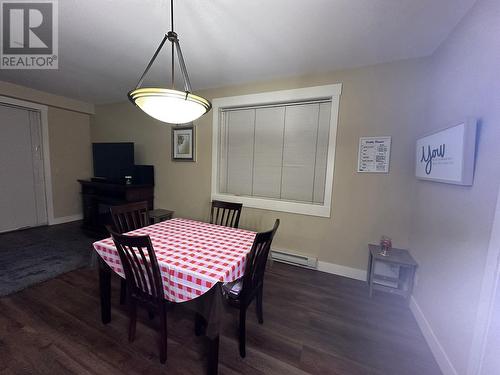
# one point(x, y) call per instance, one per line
point(195, 259)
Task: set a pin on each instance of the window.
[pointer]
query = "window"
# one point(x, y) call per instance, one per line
point(276, 150)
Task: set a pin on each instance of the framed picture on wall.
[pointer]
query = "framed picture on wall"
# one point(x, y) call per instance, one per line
point(374, 154)
point(448, 155)
point(183, 143)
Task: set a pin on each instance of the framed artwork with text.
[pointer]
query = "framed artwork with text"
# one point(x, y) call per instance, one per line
point(448, 155)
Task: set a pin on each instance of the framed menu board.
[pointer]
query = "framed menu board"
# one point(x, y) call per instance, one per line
point(374, 154)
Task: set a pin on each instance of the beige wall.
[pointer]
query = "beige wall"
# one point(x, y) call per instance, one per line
point(41, 97)
point(70, 158)
point(381, 100)
point(69, 144)
point(451, 225)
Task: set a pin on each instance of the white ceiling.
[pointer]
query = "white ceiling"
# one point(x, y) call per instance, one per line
point(104, 45)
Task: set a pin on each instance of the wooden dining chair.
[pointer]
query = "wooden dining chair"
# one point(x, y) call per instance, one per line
point(240, 293)
point(225, 213)
point(126, 218)
point(130, 216)
point(144, 283)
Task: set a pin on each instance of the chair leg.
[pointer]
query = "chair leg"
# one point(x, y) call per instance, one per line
point(163, 334)
point(133, 319)
point(260, 316)
point(123, 291)
point(243, 313)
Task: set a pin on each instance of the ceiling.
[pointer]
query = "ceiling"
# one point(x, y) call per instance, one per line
point(104, 45)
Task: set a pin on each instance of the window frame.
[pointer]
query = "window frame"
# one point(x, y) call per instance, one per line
point(330, 92)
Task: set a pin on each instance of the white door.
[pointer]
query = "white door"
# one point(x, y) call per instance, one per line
point(22, 185)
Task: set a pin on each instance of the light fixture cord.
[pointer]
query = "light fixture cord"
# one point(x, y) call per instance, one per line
point(173, 77)
point(172, 37)
point(172, 28)
point(172, 15)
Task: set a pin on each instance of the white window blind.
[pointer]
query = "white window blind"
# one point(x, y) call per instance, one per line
point(275, 151)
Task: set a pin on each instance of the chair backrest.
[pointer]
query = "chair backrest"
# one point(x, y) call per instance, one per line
point(257, 259)
point(139, 263)
point(225, 213)
point(130, 216)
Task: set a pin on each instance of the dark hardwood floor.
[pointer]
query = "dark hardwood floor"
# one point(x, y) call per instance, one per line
point(313, 323)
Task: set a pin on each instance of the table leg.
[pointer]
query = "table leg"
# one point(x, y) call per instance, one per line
point(208, 309)
point(213, 356)
point(370, 274)
point(105, 291)
point(411, 282)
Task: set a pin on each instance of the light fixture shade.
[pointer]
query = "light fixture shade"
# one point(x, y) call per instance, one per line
point(171, 106)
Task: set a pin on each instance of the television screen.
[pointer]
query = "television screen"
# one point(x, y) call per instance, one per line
point(113, 161)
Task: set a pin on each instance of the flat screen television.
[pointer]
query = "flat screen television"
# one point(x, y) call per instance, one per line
point(113, 161)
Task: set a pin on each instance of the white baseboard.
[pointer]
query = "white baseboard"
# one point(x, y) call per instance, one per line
point(436, 348)
point(337, 269)
point(66, 219)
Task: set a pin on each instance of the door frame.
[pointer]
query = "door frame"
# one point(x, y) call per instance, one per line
point(487, 297)
point(44, 120)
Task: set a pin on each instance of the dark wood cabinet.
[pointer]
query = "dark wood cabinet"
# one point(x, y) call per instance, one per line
point(97, 197)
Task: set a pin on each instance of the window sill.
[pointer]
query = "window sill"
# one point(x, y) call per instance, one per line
point(276, 205)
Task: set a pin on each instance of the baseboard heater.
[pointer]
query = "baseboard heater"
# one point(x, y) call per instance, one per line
point(294, 259)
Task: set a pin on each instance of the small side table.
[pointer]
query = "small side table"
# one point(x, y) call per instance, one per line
point(393, 273)
point(159, 215)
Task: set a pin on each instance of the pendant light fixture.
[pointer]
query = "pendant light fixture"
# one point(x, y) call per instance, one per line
point(170, 105)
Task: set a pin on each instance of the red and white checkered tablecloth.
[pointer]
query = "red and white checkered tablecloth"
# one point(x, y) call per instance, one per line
point(193, 256)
